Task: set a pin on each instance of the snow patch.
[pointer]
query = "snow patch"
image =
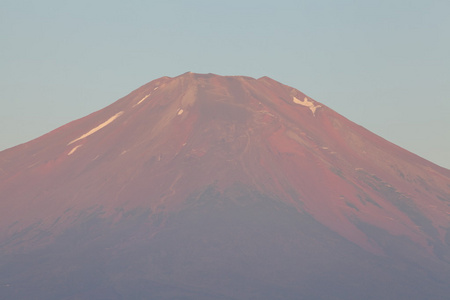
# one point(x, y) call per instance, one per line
point(146, 96)
point(94, 130)
point(308, 104)
point(74, 149)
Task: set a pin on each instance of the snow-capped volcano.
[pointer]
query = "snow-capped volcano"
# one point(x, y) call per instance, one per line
point(221, 187)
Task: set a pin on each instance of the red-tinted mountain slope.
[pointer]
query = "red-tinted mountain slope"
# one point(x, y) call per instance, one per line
point(211, 187)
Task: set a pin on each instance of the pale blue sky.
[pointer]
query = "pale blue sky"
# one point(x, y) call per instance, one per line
point(383, 64)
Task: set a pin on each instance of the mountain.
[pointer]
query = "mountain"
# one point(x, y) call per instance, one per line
point(211, 187)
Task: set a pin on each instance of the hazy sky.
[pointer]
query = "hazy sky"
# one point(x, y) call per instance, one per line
point(383, 64)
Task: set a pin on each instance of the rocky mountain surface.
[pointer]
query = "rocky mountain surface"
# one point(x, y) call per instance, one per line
point(211, 187)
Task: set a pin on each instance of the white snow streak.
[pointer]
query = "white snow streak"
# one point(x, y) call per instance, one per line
point(307, 103)
point(142, 100)
point(74, 149)
point(94, 130)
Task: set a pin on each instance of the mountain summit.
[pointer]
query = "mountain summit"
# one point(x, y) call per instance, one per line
point(221, 187)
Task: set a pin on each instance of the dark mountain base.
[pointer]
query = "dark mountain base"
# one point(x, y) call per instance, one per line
point(236, 244)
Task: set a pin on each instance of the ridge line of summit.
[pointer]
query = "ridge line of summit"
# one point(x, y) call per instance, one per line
point(189, 73)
